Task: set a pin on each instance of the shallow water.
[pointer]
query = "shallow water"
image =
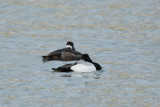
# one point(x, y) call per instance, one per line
point(122, 35)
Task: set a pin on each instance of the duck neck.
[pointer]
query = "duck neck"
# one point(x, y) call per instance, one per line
point(73, 48)
point(69, 46)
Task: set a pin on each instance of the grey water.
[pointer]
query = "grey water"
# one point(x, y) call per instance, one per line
point(121, 35)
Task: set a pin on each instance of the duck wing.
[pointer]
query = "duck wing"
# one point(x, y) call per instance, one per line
point(64, 68)
point(64, 54)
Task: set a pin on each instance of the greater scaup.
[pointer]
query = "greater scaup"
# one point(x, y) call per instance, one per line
point(84, 65)
point(66, 54)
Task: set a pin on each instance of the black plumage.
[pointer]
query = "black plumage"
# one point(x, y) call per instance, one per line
point(64, 68)
point(67, 67)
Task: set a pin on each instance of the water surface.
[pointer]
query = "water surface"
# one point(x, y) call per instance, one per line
point(121, 35)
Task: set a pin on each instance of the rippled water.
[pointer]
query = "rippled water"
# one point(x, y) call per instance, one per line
point(122, 35)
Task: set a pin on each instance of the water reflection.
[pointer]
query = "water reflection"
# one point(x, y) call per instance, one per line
point(94, 75)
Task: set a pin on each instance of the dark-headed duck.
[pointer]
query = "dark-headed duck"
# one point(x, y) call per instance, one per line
point(66, 54)
point(84, 65)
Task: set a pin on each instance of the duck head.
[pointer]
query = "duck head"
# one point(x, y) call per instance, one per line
point(70, 45)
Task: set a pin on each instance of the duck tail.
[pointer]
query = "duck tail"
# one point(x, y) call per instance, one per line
point(45, 58)
point(54, 69)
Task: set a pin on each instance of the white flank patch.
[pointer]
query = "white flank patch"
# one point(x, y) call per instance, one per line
point(68, 46)
point(83, 68)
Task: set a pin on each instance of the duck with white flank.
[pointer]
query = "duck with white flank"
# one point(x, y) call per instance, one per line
point(66, 54)
point(84, 65)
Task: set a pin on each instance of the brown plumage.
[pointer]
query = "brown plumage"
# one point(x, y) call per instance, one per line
point(66, 54)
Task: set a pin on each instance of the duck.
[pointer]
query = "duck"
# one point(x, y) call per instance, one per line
point(65, 54)
point(83, 65)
